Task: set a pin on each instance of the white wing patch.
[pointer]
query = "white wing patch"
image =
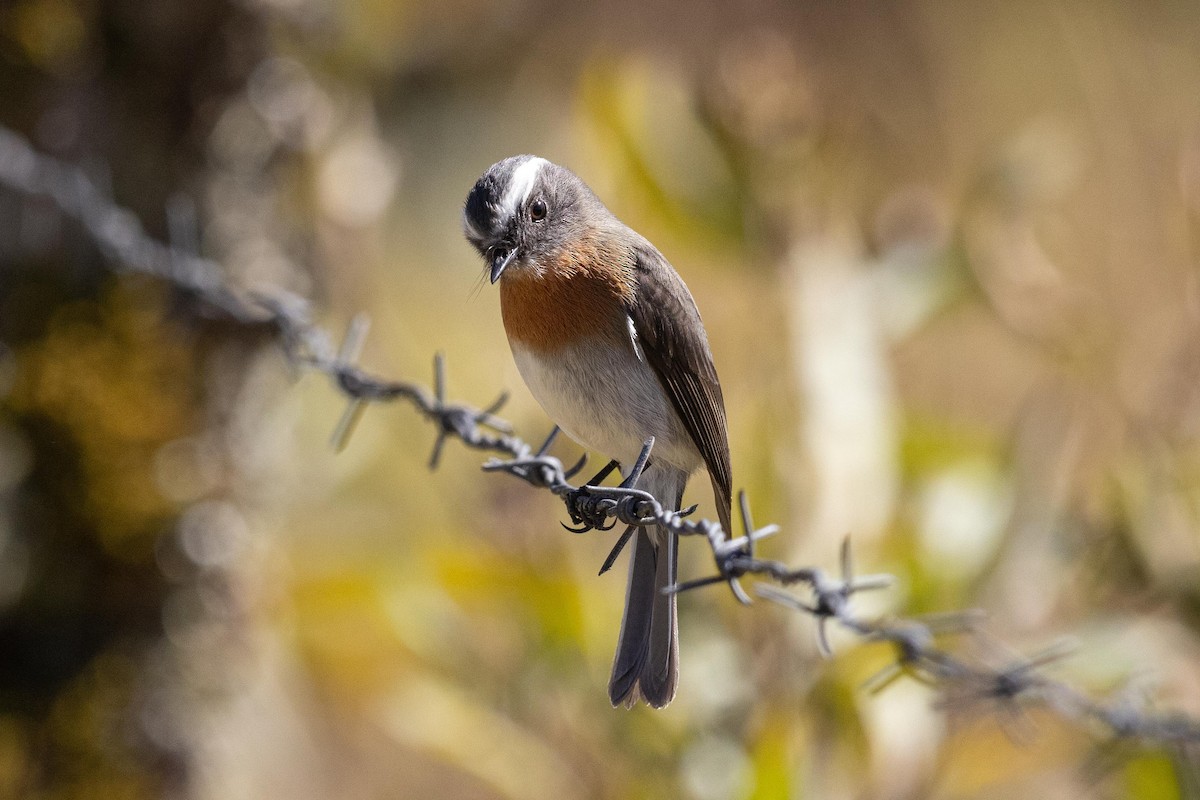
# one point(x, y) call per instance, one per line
point(633, 337)
point(521, 185)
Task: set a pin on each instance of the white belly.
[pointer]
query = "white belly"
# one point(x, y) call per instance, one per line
point(611, 415)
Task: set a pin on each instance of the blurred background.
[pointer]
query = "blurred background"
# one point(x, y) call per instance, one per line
point(947, 258)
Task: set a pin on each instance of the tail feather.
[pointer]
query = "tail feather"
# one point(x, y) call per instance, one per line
point(660, 674)
point(632, 642)
point(646, 664)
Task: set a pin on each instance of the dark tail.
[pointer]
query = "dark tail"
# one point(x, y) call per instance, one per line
point(647, 661)
point(646, 665)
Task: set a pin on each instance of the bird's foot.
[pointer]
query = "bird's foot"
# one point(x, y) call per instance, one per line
point(588, 511)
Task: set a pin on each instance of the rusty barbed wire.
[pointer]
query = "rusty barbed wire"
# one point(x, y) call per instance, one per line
point(964, 684)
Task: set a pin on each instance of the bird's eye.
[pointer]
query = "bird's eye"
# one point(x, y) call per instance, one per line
point(537, 210)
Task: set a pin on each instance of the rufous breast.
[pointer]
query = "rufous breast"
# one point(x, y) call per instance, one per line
point(570, 299)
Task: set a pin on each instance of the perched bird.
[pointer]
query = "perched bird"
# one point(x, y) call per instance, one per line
point(608, 339)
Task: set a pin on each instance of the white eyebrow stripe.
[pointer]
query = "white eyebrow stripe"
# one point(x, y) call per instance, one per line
point(521, 185)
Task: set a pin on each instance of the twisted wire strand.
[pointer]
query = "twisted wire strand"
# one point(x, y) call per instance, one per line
point(964, 684)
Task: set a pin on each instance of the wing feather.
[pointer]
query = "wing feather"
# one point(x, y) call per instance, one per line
point(672, 339)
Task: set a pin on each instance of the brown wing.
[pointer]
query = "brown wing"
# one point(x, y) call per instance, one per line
point(673, 341)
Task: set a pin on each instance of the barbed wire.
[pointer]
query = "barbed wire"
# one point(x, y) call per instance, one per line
point(963, 683)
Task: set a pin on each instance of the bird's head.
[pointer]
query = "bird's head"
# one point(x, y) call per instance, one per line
point(524, 211)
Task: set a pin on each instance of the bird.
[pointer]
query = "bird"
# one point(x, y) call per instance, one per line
point(609, 341)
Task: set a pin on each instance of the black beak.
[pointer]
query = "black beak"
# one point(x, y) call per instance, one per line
point(501, 257)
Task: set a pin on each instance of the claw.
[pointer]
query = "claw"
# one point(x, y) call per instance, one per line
point(599, 509)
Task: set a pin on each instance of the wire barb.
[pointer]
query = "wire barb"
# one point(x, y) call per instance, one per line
point(616, 550)
point(119, 236)
point(356, 335)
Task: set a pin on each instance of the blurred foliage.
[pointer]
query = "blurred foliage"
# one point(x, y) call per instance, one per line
point(946, 256)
